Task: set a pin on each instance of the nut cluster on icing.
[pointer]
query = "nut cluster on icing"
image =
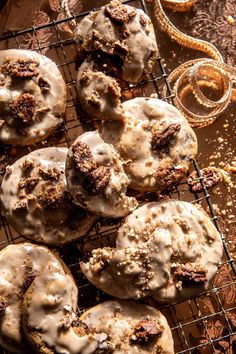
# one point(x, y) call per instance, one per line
point(32, 97)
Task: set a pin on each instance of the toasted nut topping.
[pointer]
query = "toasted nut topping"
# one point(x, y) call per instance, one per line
point(84, 78)
point(146, 330)
point(211, 177)
point(52, 195)
point(83, 158)
point(29, 279)
point(162, 139)
point(168, 176)
point(190, 273)
point(44, 84)
point(143, 20)
point(28, 183)
point(97, 180)
point(21, 206)
point(50, 173)
point(21, 68)
point(117, 12)
point(23, 108)
point(3, 305)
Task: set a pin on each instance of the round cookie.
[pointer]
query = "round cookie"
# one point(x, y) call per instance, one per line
point(131, 327)
point(98, 93)
point(155, 141)
point(36, 202)
point(122, 31)
point(32, 97)
point(196, 245)
point(95, 177)
point(168, 250)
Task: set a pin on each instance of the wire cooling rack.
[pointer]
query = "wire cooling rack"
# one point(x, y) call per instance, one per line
point(204, 324)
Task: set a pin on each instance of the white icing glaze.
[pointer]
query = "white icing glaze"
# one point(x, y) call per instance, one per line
point(132, 272)
point(140, 41)
point(153, 240)
point(133, 141)
point(100, 87)
point(194, 240)
point(118, 318)
point(113, 202)
point(43, 223)
point(48, 302)
point(53, 100)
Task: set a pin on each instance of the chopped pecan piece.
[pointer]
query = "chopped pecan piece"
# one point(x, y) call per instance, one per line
point(84, 78)
point(1, 123)
point(27, 165)
point(132, 14)
point(50, 173)
point(117, 12)
point(162, 139)
point(52, 196)
point(93, 100)
point(82, 329)
point(113, 90)
point(168, 176)
point(29, 279)
point(23, 108)
point(99, 266)
point(97, 180)
point(44, 84)
point(211, 176)
point(143, 20)
point(120, 48)
point(147, 329)
point(3, 305)
point(83, 158)
point(189, 273)
point(28, 183)
point(22, 205)
point(2, 80)
point(21, 68)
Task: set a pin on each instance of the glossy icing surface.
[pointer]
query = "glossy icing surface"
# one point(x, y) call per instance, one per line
point(147, 167)
point(36, 201)
point(44, 83)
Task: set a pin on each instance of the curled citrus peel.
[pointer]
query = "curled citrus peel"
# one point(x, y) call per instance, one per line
point(194, 75)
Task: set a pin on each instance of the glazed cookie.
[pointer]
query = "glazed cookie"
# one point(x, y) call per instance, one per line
point(45, 296)
point(131, 327)
point(32, 97)
point(156, 143)
point(98, 93)
point(123, 31)
point(169, 250)
point(95, 177)
point(36, 202)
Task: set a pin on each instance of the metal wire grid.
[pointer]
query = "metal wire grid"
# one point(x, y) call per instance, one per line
point(187, 319)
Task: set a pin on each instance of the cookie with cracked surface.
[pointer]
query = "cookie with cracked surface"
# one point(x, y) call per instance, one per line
point(168, 250)
point(98, 93)
point(95, 177)
point(40, 303)
point(155, 141)
point(32, 97)
point(123, 31)
point(131, 327)
point(36, 202)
